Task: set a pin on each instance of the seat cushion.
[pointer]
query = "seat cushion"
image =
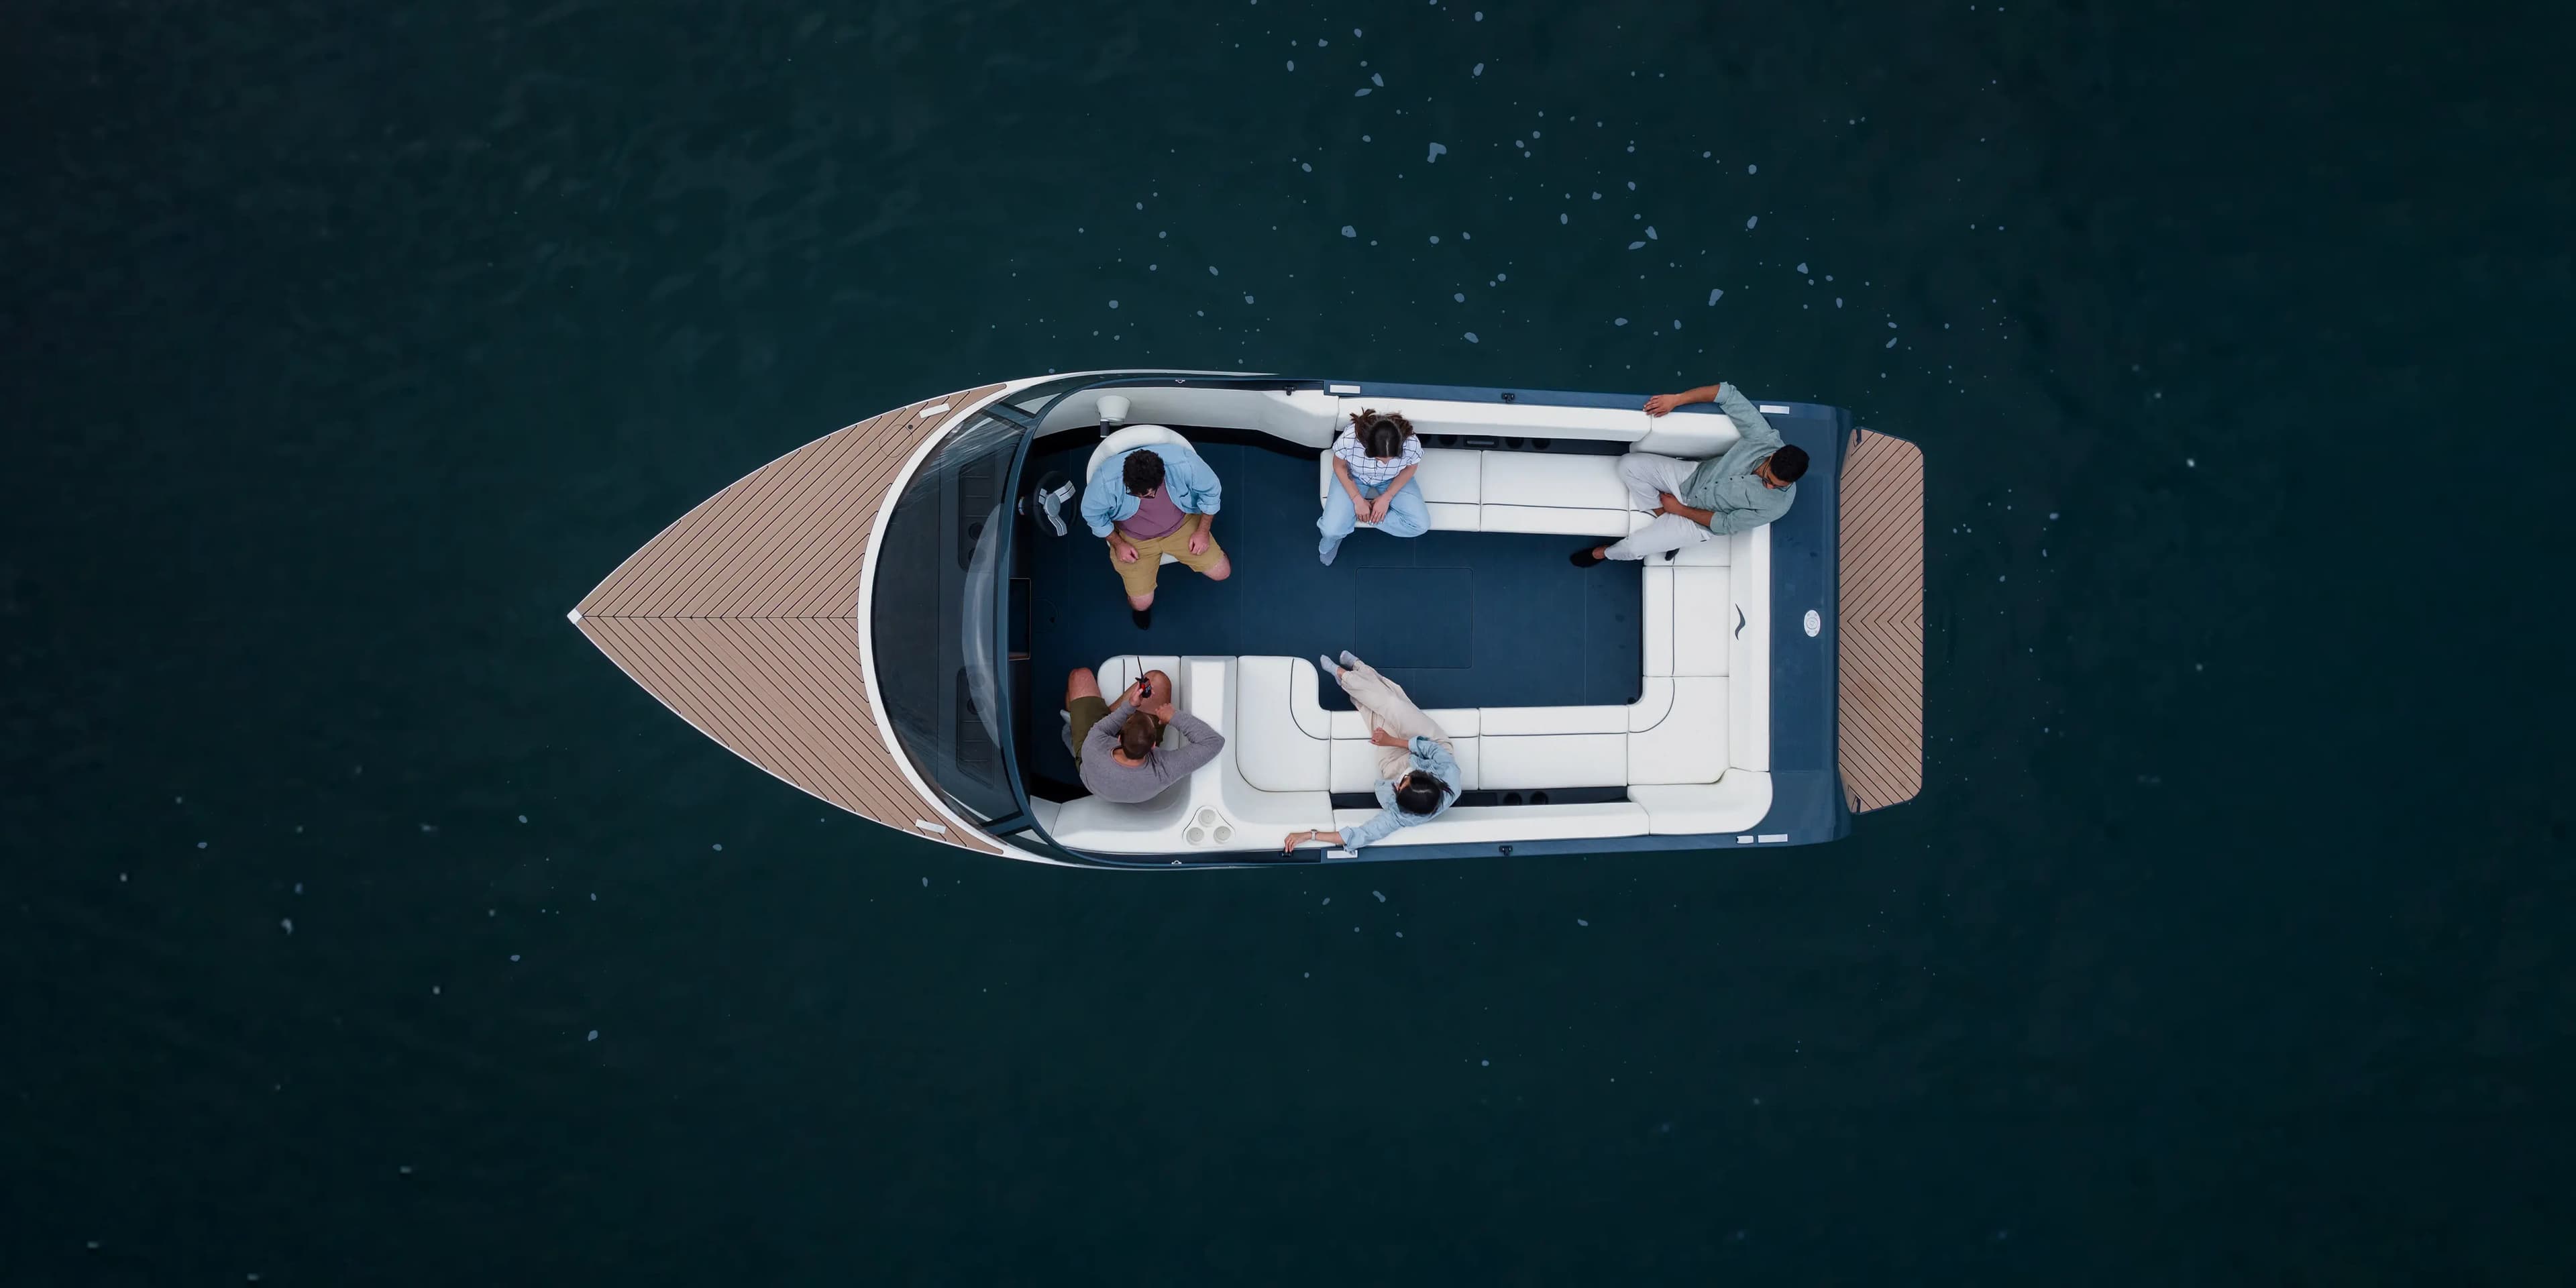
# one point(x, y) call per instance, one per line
point(1525, 762)
point(1559, 520)
point(1269, 748)
point(1704, 621)
point(1689, 744)
point(1554, 480)
point(1454, 722)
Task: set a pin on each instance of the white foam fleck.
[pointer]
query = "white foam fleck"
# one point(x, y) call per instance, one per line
point(1212, 270)
point(1716, 293)
point(1564, 218)
point(1292, 64)
point(1435, 239)
point(1471, 338)
point(1247, 299)
point(1581, 922)
point(1891, 343)
point(1618, 321)
point(523, 818)
point(287, 924)
point(201, 845)
point(299, 887)
point(1113, 304)
point(1650, 233)
point(1348, 231)
point(1327, 900)
point(1436, 150)
point(1380, 897)
point(1479, 70)
point(1802, 267)
point(719, 847)
point(514, 957)
point(1459, 296)
point(1838, 301)
point(594, 1036)
point(1677, 324)
point(1749, 223)
point(1636, 245)
point(1361, 92)
point(1753, 169)
point(925, 883)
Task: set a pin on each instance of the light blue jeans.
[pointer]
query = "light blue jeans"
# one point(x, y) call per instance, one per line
point(1407, 516)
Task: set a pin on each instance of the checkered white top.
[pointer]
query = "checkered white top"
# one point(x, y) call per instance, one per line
point(1367, 470)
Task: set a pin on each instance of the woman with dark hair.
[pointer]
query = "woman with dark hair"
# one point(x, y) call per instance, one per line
point(1373, 464)
point(1417, 764)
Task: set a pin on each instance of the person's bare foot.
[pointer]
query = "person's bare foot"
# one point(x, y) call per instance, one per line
point(1587, 558)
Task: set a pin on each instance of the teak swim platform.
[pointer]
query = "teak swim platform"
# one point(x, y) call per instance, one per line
point(884, 618)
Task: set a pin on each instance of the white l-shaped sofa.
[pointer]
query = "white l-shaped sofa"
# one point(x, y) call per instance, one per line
point(1693, 752)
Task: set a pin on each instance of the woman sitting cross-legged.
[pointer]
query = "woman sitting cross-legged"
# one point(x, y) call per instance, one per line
point(1373, 465)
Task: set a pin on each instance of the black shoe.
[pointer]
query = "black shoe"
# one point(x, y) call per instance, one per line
point(1583, 558)
point(1668, 555)
point(1143, 617)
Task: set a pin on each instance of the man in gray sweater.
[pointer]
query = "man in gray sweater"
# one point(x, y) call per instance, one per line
point(1120, 756)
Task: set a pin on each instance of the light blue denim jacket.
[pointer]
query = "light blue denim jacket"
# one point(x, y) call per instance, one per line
point(1725, 485)
point(1192, 485)
point(1428, 756)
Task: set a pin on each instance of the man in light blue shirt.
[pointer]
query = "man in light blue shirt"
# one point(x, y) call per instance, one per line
point(1417, 767)
point(1751, 484)
point(1152, 501)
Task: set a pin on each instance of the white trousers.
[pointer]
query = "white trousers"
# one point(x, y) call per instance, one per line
point(1648, 476)
point(1387, 707)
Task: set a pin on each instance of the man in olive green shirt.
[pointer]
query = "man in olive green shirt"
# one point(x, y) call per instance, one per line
point(1751, 484)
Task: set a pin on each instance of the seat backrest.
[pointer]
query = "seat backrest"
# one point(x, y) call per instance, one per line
point(1132, 436)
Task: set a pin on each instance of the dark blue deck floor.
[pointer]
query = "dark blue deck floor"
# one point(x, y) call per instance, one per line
point(1460, 619)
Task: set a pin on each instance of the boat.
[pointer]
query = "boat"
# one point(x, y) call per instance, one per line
point(884, 619)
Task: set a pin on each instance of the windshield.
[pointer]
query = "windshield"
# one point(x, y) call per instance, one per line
point(932, 622)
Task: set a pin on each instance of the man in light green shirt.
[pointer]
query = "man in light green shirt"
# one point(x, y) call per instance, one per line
point(1751, 484)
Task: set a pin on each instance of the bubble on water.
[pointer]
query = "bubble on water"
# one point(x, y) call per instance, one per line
point(1618, 321)
point(1564, 218)
point(1838, 301)
point(1459, 296)
point(514, 957)
point(1650, 233)
point(522, 818)
point(1113, 304)
point(1485, 1064)
point(1435, 239)
point(433, 990)
point(594, 1036)
point(1375, 79)
point(594, 896)
point(2052, 514)
point(1436, 150)
point(1891, 343)
point(1328, 899)
point(299, 887)
point(1361, 92)
point(1715, 294)
point(719, 847)
point(1749, 223)
point(1212, 270)
point(1636, 245)
point(1348, 231)
point(925, 883)
point(1247, 299)
point(1380, 897)
point(1581, 922)
point(1753, 169)
point(1478, 71)
point(1480, 15)
point(1292, 64)
point(1471, 338)
point(1802, 267)
point(286, 924)
point(1677, 324)
point(1502, 277)
point(201, 845)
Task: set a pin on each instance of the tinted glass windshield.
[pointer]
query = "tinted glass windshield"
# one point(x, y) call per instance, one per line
point(932, 623)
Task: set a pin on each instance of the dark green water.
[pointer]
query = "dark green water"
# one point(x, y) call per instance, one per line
point(344, 347)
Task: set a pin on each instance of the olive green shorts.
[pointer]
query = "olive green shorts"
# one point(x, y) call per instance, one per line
point(1086, 712)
